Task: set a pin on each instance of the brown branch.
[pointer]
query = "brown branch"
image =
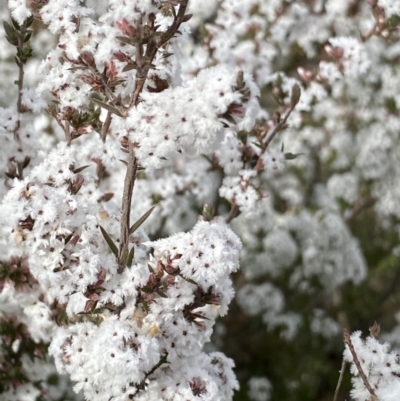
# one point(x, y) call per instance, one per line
point(342, 369)
point(144, 64)
point(129, 183)
point(172, 30)
point(65, 128)
point(358, 209)
point(349, 343)
point(370, 33)
point(278, 127)
point(233, 213)
point(20, 108)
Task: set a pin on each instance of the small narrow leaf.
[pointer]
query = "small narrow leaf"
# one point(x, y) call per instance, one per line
point(8, 28)
point(130, 257)
point(129, 66)
point(109, 241)
point(167, 54)
point(15, 23)
point(95, 95)
point(27, 36)
point(295, 97)
point(124, 39)
point(138, 223)
point(291, 156)
point(146, 290)
point(68, 238)
point(129, 41)
point(108, 107)
point(187, 17)
point(145, 305)
point(124, 257)
point(78, 170)
point(106, 197)
point(26, 162)
point(29, 21)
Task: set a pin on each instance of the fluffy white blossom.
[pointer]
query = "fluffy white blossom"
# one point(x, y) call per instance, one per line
point(379, 364)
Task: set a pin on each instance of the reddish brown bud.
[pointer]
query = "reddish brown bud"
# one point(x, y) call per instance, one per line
point(124, 141)
point(126, 28)
point(88, 59)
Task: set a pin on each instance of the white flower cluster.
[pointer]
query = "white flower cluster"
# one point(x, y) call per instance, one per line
point(380, 366)
point(178, 119)
point(198, 134)
point(355, 58)
point(259, 389)
point(161, 327)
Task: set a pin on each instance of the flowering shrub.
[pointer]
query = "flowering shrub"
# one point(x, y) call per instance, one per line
point(145, 153)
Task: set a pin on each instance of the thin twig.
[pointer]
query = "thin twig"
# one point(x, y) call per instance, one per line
point(233, 213)
point(106, 126)
point(65, 128)
point(342, 369)
point(129, 183)
point(143, 68)
point(347, 340)
point(109, 93)
point(103, 135)
point(20, 108)
point(175, 25)
point(358, 209)
point(151, 49)
point(141, 385)
point(278, 127)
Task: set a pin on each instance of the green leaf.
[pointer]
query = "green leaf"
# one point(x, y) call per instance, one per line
point(12, 176)
point(187, 17)
point(146, 290)
point(291, 156)
point(129, 66)
point(128, 41)
point(15, 23)
point(95, 95)
point(167, 54)
point(29, 21)
point(26, 162)
point(146, 307)
point(295, 96)
point(11, 33)
point(8, 28)
point(130, 257)
point(124, 257)
point(109, 241)
point(68, 238)
point(27, 36)
point(139, 222)
point(107, 106)
point(78, 170)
